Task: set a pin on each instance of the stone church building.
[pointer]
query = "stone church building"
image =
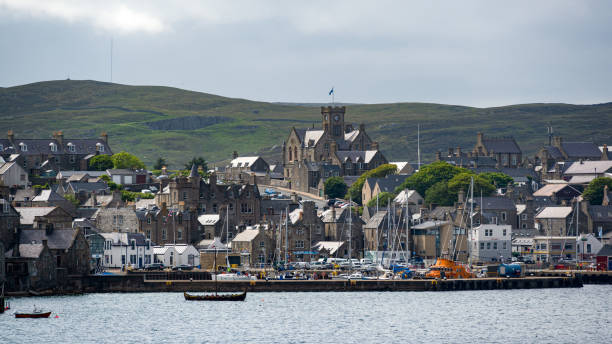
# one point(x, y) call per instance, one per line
point(337, 143)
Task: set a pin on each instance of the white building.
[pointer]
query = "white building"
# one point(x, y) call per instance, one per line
point(179, 254)
point(587, 246)
point(126, 249)
point(490, 243)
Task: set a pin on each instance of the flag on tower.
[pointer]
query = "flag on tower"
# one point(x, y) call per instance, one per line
point(331, 91)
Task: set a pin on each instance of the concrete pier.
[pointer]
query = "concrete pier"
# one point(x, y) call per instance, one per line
point(140, 284)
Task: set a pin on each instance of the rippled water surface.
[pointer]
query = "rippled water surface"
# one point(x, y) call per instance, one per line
point(505, 316)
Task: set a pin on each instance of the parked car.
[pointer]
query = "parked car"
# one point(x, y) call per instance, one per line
point(182, 267)
point(528, 260)
point(301, 265)
point(154, 266)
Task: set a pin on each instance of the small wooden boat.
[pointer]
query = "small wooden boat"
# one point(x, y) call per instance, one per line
point(35, 314)
point(216, 297)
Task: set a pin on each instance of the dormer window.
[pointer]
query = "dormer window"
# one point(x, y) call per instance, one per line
point(53, 147)
point(23, 147)
point(71, 147)
point(100, 147)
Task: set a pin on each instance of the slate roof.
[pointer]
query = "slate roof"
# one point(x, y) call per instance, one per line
point(21, 195)
point(6, 166)
point(351, 135)
point(377, 220)
point(86, 213)
point(501, 145)
point(554, 152)
point(209, 219)
point(243, 161)
point(576, 150)
point(405, 195)
point(124, 239)
point(59, 239)
point(495, 203)
point(601, 213)
point(606, 250)
point(356, 156)
point(549, 190)
point(589, 167)
point(390, 182)
point(87, 187)
point(43, 146)
point(48, 196)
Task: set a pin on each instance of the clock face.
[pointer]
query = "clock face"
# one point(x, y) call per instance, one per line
point(336, 117)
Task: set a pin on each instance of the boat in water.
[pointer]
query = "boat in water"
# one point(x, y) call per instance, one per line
point(446, 268)
point(36, 313)
point(216, 297)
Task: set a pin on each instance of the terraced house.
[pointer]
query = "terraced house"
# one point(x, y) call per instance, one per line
point(57, 153)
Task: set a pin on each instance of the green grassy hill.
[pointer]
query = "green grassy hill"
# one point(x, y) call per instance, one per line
point(152, 121)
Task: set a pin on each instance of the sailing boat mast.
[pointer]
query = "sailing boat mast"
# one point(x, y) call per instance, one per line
point(350, 232)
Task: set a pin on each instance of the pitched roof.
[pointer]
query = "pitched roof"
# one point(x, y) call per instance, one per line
point(58, 239)
point(208, 219)
point(390, 182)
point(576, 150)
point(406, 195)
point(6, 166)
point(501, 145)
point(330, 246)
point(601, 213)
point(494, 203)
point(27, 250)
point(124, 239)
point(43, 146)
point(554, 213)
point(606, 250)
point(356, 156)
point(47, 196)
point(351, 135)
point(589, 167)
point(27, 214)
point(246, 235)
point(243, 161)
point(549, 190)
point(87, 187)
point(312, 137)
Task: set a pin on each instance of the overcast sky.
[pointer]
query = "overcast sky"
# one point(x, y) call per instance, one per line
point(479, 53)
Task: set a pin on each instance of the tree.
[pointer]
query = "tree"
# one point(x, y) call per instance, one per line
point(462, 182)
point(127, 160)
point(354, 192)
point(199, 162)
point(159, 163)
point(594, 191)
point(383, 199)
point(429, 175)
point(105, 178)
point(72, 200)
point(500, 180)
point(438, 194)
point(335, 187)
point(101, 162)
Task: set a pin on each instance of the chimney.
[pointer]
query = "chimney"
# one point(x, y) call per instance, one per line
point(461, 197)
point(11, 137)
point(212, 179)
point(458, 151)
point(479, 138)
point(361, 127)
point(375, 145)
point(164, 171)
point(606, 199)
point(235, 155)
point(104, 137)
point(59, 136)
point(604, 152)
point(438, 155)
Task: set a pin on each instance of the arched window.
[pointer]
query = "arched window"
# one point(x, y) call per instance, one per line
point(290, 156)
point(295, 156)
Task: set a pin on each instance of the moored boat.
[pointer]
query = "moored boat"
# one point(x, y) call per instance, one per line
point(215, 297)
point(35, 314)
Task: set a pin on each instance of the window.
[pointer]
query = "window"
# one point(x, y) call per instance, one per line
point(503, 216)
point(106, 259)
point(53, 147)
point(184, 195)
point(23, 147)
point(163, 234)
point(588, 248)
point(524, 217)
point(494, 220)
point(179, 234)
point(214, 208)
point(71, 147)
point(231, 207)
point(180, 219)
point(482, 245)
point(513, 158)
point(504, 232)
point(495, 246)
point(123, 259)
point(569, 246)
point(133, 244)
point(147, 259)
point(504, 245)
point(148, 233)
point(100, 147)
point(248, 194)
point(488, 246)
point(133, 259)
point(543, 246)
point(262, 243)
point(523, 225)
point(120, 218)
point(148, 219)
point(299, 244)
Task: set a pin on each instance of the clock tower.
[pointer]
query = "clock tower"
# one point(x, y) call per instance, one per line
point(333, 120)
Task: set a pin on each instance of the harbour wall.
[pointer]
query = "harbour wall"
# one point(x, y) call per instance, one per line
point(137, 283)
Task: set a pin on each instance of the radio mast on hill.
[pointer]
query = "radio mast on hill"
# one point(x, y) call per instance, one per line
point(111, 60)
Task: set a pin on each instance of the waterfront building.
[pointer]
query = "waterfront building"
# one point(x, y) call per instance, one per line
point(44, 217)
point(490, 243)
point(255, 247)
point(549, 249)
point(174, 255)
point(337, 228)
point(126, 249)
point(30, 267)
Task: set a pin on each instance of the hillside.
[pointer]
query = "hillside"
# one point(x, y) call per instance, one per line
point(176, 124)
